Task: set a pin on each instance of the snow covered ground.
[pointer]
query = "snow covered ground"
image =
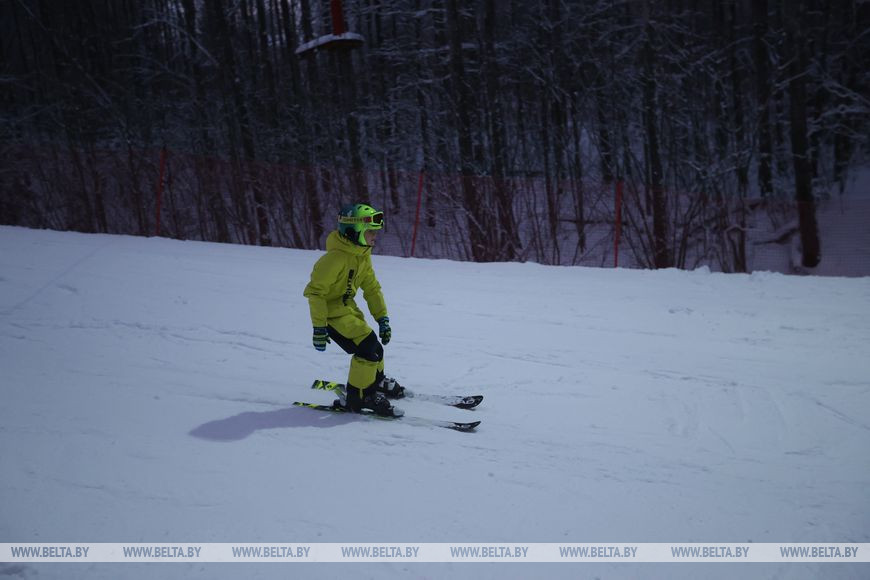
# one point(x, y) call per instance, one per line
point(146, 388)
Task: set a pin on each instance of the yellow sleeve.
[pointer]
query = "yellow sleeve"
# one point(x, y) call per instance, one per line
point(372, 292)
point(324, 277)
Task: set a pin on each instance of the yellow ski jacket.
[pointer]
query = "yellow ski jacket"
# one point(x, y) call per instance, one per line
point(336, 276)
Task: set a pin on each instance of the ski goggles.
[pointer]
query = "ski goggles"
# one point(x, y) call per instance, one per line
point(376, 220)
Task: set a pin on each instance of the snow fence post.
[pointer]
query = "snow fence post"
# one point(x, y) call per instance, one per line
point(338, 25)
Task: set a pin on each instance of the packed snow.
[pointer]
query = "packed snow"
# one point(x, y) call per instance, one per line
point(147, 389)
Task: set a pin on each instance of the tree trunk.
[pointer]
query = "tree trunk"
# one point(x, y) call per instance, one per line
point(480, 250)
point(737, 236)
point(214, 200)
point(803, 173)
point(503, 191)
point(259, 231)
point(661, 252)
point(763, 94)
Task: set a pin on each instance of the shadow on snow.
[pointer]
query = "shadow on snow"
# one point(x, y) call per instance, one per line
point(240, 426)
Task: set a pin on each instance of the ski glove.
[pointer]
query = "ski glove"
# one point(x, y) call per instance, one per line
point(384, 329)
point(321, 337)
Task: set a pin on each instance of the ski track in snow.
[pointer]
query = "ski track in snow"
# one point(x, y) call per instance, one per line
point(148, 383)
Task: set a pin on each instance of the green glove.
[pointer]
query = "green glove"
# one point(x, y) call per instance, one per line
point(321, 337)
point(384, 329)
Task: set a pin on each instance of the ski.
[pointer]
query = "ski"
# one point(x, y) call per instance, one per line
point(422, 421)
point(460, 402)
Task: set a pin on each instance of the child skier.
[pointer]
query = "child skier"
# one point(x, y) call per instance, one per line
point(347, 266)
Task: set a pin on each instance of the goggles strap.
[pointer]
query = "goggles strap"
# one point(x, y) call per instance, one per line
point(376, 219)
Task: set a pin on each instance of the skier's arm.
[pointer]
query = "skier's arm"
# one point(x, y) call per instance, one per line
point(326, 272)
point(374, 296)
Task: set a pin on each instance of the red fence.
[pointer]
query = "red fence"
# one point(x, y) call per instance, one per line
point(570, 222)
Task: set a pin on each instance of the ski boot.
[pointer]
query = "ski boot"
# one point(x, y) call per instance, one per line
point(391, 388)
point(372, 400)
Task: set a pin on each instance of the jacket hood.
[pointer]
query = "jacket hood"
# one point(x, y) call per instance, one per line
point(334, 241)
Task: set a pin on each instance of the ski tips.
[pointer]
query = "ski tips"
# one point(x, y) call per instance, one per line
point(469, 402)
point(465, 426)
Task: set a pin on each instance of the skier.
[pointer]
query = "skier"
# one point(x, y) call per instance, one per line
point(347, 266)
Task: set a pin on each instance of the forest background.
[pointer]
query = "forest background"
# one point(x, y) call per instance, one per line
point(665, 134)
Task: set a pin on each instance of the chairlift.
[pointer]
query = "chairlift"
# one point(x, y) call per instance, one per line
point(339, 39)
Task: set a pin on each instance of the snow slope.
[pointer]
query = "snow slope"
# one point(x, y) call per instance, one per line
point(146, 388)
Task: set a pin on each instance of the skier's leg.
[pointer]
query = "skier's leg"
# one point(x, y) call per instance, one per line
point(353, 335)
point(346, 344)
point(349, 331)
point(369, 349)
point(361, 381)
point(388, 385)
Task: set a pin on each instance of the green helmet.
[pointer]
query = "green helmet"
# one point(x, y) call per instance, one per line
point(355, 219)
